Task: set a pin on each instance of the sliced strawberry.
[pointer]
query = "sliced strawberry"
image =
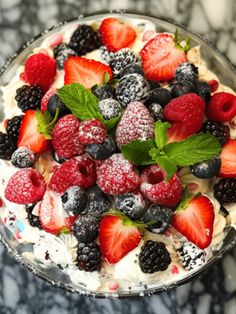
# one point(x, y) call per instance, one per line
point(84, 71)
point(195, 221)
point(29, 135)
point(52, 215)
point(116, 239)
point(228, 160)
point(116, 35)
point(160, 57)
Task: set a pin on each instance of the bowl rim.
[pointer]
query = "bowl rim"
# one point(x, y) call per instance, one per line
point(151, 291)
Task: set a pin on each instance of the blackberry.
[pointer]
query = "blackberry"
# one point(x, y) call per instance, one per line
point(74, 200)
point(181, 88)
point(55, 103)
point(156, 111)
point(13, 127)
point(29, 97)
point(23, 158)
point(206, 169)
point(88, 256)
point(191, 256)
point(84, 39)
point(218, 129)
point(98, 202)
point(159, 214)
point(86, 228)
point(225, 190)
point(7, 146)
point(203, 90)
point(154, 257)
point(186, 72)
point(105, 55)
point(62, 53)
point(131, 204)
point(132, 68)
point(102, 151)
point(103, 91)
point(109, 108)
point(161, 96)
point(132, 87)
point(121, 59)
point(33, 219)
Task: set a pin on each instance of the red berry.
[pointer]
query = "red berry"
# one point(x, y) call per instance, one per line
point(65, 137)
point(40, 69)
point(116, 35)
point(157, 190)
point(25, 186)
point(222, 107)
point(78, 171)
point(116, 239)
point(228, 160)
point(160, 58)
point(213, 85)
point(135, 124)
point(92, 131)
point(185, 113)
point(45, 99)
point(117, 176)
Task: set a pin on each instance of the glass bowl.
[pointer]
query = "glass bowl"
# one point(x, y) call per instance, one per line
point(221, 67)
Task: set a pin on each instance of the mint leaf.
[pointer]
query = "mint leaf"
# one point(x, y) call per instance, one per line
point(138, 152)
point(196, 148)
point(160, 133)
point(168, 165)
point(110, 124)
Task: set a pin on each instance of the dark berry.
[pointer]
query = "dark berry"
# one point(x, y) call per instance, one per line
point(156, 111)
point(206, 169)
point(13, 127)
point(105, 55)
point(94, 192)
point(225, 190)
point(7, 146)
point(132, 87)
point(74, 200)
point(161, 96)
point(121, 59)
point(102, 151)
point(55, 102)
point(154, 257)
point(86, 228)
point(186, 72)
point(159, 214)
point(34, 220)
point(98, 202)
point(181, 88)
point(132, 68)
point(62, 53)
point(191, 256)
point(88, 257)
point(203, 90)
point(23, 158)
point(29, 97)
point(218, 129)
point(110, 108)
point(103, 91)
point(56, 158)
point(153, 84)
point(131, 204)
point(84, 39)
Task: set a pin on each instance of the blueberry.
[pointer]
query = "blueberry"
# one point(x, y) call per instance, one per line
point(102, 151)
point(153, 84)
point(55, 102)
point(98, 202)
point(132, 68)
point(56, 158)
point(131, 205)
point(86, 228)
point(94, 192)
point(74, 200)
point(109, 108)
point(23, 158)
point(186, 72)
point(103, 91)
point(203, 90)
point(181, 88)
point(206, 169)
point(161, 96)
point(156, 111)
point(159, 214)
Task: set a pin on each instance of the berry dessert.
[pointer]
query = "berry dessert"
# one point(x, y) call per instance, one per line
point(118, 156)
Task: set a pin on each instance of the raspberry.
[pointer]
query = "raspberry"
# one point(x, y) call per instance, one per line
point(117, 176)
point(157, 190)
point(222, 107)
point(45, 99)
point(214, 85)
point(78, 171)
point(25, 186)
point(65, 137)
point(40, 69)
point(135, 124)
point(91, 131)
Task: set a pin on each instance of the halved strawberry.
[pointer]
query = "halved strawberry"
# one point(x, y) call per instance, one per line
point(84, 71)
point(117, 239)
point(29, 135)
point(160, 57)
point(52, 215)
point(116, 35)
point(228, 160)
point(195, 220)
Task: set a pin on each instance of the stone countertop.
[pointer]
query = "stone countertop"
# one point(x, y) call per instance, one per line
point(23, 293)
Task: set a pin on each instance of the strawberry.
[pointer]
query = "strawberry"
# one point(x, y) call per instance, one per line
point(160, 57)
point(228, 160)
point(194, 219)
point(186, 114)
point(116, 35)
point(222, 107)
point(29, 135)
point(52, 215)
point(86, 72)
point(117, 238)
